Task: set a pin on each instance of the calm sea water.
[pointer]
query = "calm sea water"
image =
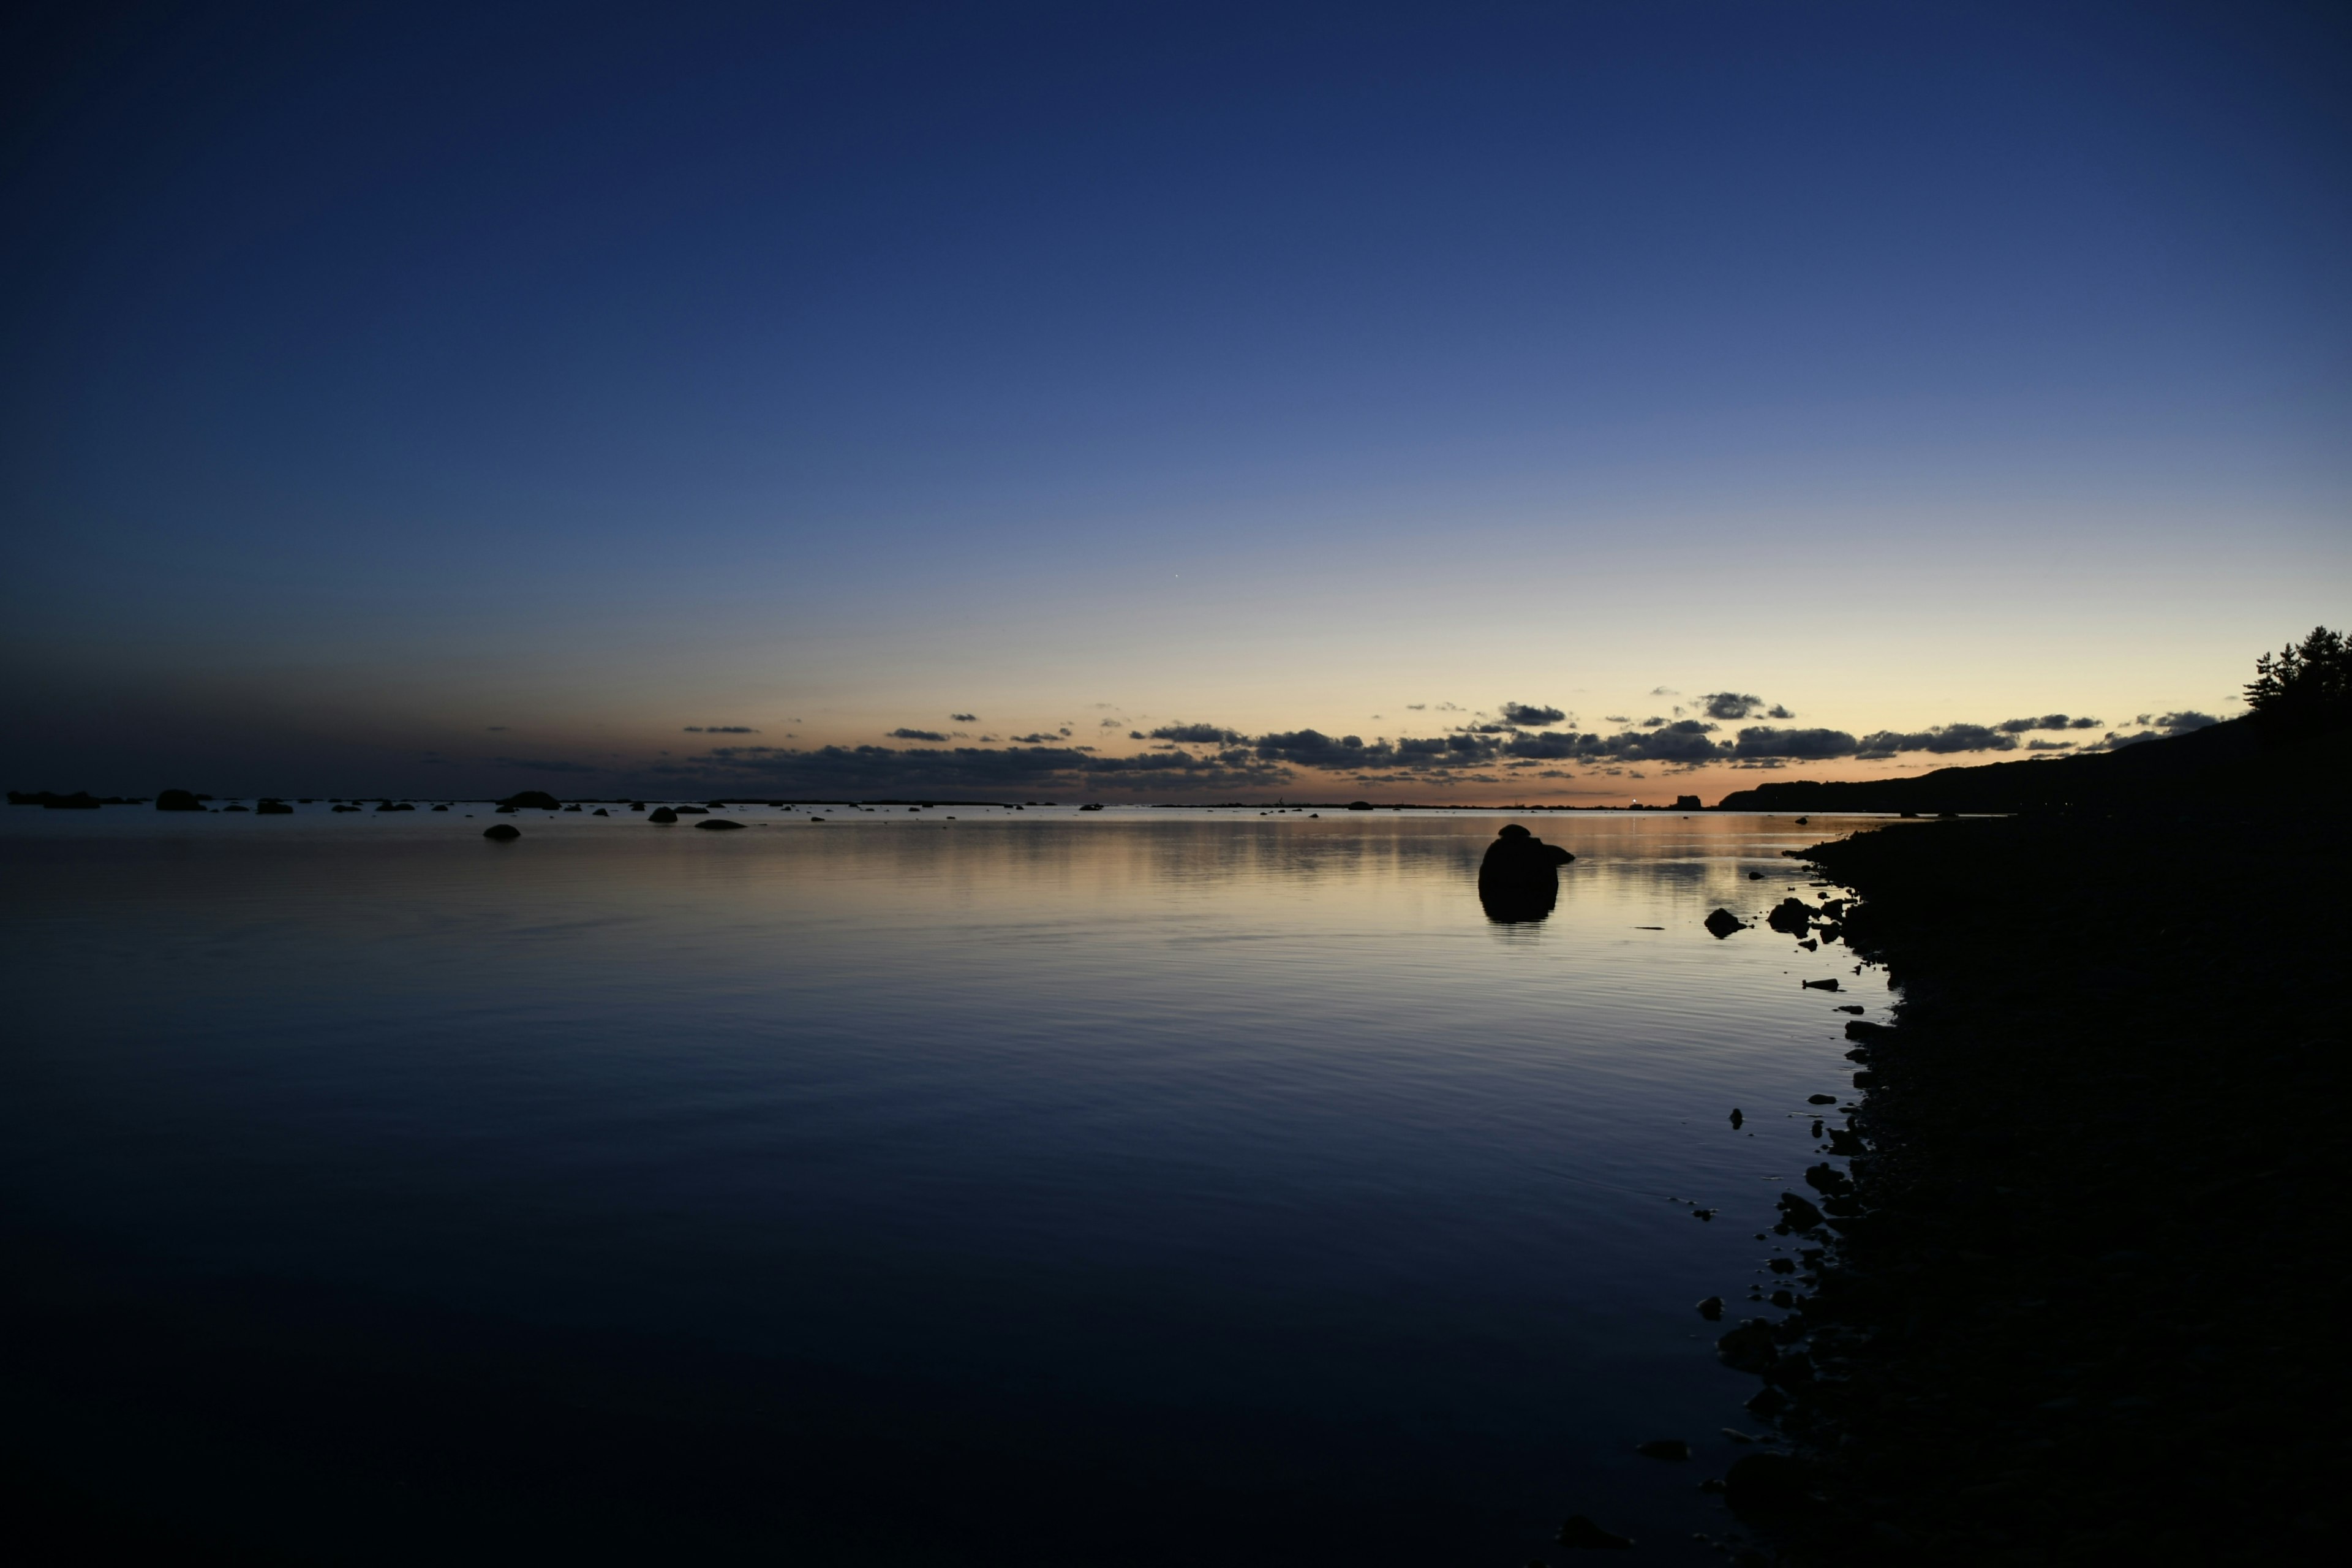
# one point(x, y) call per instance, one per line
point(1140, 1186)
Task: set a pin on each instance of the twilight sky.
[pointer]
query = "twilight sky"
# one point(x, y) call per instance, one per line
point(458, 400)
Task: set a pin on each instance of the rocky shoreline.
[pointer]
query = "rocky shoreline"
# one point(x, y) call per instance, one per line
point(2074, 1304)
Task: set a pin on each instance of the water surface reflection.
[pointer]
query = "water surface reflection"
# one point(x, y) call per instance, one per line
point(894, 1189)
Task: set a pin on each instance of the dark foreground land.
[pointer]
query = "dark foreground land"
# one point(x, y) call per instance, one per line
point(2083, 1303)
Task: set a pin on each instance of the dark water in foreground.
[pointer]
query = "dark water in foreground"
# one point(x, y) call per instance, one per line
point(1141, 1187)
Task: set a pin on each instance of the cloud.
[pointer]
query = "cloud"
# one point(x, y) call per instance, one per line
point(1777, 711)
point(1314, 749)
point(1730, 704)
point(1685, 741)
point(1664, 691)
point(2180, 723)
point(1763, 740)
point(1653, 721)
point(964, 717)
point(1038, 739)
point(1553, 747)
point(1199, 734)
point(2038, 746)
point(906, 734)
point(1618, 718)
point(1943, 739)
point(1531, 716)
point(2167, 725)
point(720, 729)
point(882, 770)
point(1109, 723)
point(2047, 721)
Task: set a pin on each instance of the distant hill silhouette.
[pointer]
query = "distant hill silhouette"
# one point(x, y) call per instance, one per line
point(2230, 763)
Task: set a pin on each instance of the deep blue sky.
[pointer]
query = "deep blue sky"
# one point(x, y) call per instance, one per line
point(376, 378)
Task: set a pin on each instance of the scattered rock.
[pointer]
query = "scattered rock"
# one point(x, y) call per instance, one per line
point(1829, 985)
point(1579, 1533)
point(1736, 1119)
point(502, 832)
point(1860, 1029)
point(1792, 916)
point(534, 800)
point(662, 814)
point(1664, 1448)
point(273, 808)
point(1799, 1213)
point(1749, 1347)
point(1711, 1308)
point(600, 811)
point(179, 800)
point(1850, 1007)
point(718, 823)
point(1723, 923)
point(1755, 876)
point(1820, 1099)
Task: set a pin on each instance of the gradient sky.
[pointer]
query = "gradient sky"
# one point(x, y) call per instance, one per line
point(451, 401)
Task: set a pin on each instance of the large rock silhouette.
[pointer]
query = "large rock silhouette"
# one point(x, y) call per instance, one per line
point(1518, 882)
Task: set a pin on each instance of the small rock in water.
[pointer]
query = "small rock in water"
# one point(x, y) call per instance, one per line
point(1711, 1308)
point(1799, 1212)
point(1850, 1007)
point(1579, 1532)
point(1749, 1347)
point(1820, 1099)
point(600, 811)
point(501, 832)
point(1829, 985)
point(1723, 923)
point(1735, 1118)
point(662, 814)
point(1702, 1214)
point(718, 823)
point(1664, 1448)
point(1755, 876)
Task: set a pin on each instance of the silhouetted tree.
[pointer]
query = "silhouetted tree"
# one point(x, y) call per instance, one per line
point(2305, 689)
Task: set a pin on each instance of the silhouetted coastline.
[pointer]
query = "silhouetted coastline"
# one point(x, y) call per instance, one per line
point(2063, 1312)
